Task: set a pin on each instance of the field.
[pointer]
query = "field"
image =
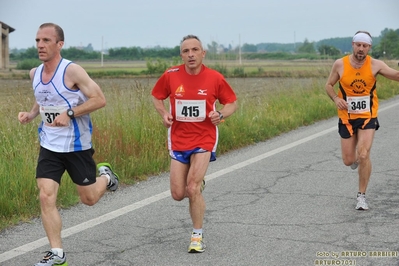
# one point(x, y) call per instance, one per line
point(129, 134)
point(251, 68)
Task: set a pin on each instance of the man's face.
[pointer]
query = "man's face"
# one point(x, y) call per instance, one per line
point(360, 50)
point(192, 54)
point(47, 44)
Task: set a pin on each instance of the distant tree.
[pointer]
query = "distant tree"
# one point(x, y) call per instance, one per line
point(388, 47)
point(88, 48)
point(307, 47)
point(30, 53)
point(74, 53)
point(344, 45)
point(124, 53)
point(213, 47)
point(275, 47)
point(328, 50)
point(249, 48)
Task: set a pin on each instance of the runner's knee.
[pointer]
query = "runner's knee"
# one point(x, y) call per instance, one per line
point(178, 195)
point(347, 161)
point(363, 153)
point(89, 201)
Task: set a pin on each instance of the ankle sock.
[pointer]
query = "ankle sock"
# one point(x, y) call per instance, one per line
point(107, 176)
point(360, 193)
point(58, 251)
point(197, 231)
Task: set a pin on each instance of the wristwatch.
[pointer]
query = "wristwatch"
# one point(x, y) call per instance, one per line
point(220, 115)
point(71, 113)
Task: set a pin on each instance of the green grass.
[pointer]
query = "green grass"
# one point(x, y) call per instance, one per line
point(128, 132)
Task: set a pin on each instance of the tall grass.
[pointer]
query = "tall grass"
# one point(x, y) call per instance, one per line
point(129, 134)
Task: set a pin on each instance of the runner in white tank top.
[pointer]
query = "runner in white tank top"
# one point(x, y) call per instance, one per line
point(54, 98)
point(65, 96)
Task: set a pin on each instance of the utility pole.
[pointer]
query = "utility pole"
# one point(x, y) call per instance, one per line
point(102, 50)
point(239, 48)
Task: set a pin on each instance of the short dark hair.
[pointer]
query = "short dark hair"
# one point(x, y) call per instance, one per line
point(190, 36)
point(362, 31)
point(58, 30)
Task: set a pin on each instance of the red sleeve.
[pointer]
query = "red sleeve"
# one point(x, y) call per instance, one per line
point(226, 94)
point(161, 90)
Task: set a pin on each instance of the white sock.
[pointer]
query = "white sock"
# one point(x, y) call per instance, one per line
point(103, 173)
point(107, 176)
point(197, 231)
point(58, 251)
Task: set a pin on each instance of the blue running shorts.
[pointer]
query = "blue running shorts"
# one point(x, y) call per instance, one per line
point(184, 156)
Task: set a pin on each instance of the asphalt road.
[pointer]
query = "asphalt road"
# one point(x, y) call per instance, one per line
point(286, 201)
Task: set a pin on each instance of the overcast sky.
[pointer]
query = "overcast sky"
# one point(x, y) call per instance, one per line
point(148, 23)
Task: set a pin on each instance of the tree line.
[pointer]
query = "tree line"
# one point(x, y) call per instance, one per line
point(384, 46)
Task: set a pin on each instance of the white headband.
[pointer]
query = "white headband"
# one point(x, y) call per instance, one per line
point(362, 37)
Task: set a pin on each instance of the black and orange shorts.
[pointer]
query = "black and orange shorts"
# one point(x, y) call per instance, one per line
point(350, 127)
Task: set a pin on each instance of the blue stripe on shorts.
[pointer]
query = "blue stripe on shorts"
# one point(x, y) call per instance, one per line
point(184, 156)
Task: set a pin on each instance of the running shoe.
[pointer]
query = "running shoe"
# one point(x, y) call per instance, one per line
point(361, 203)
point(196, 245)
point(106, 169)
point(354, 165)
point(52, 258)
point(203, 185)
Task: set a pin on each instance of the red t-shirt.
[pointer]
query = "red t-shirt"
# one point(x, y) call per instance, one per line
point(192, 97)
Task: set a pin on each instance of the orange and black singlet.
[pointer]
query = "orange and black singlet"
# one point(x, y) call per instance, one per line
point(358, 88)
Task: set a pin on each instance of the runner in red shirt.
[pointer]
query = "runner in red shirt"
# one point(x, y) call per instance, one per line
point(192, 120)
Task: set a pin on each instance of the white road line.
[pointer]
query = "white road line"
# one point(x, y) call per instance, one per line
point(119, 212)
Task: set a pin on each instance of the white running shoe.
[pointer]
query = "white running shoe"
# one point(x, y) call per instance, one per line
point(52, 258)
point(361, 203)
point(106, 169)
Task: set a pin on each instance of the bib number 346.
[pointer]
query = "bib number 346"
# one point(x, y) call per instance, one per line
point(357, 105)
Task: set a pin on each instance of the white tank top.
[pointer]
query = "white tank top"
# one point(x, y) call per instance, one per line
point(53, 98)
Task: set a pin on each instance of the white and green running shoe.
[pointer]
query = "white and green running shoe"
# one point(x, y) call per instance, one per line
point(106, 169)
point(52, 258)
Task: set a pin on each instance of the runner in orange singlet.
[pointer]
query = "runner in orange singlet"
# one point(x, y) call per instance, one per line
point(192, 120)
point(357, 104)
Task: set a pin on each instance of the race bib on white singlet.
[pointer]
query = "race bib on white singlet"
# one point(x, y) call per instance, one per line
point(358, 104)
point(49, 113)
point(190, 110)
